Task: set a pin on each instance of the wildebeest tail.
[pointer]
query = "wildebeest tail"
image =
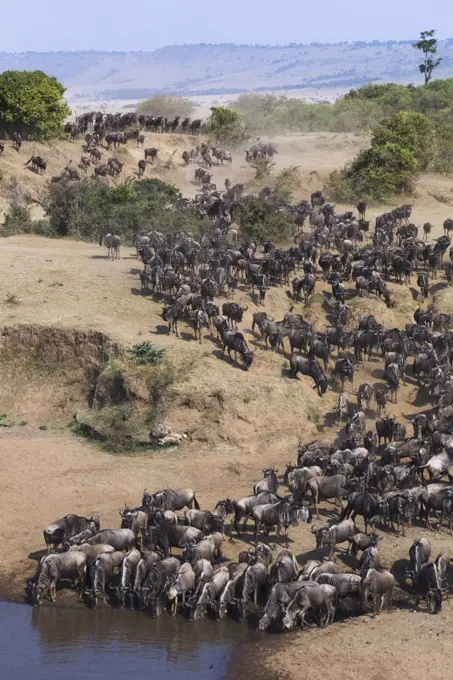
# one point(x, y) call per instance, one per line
point(196, 503)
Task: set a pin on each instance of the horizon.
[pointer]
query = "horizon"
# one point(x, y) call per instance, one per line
point(406, 41)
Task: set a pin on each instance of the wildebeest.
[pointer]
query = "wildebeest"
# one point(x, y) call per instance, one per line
point(54, 568)
point(102, 572)
point(309, 367)
point(427, 582)
point(167, 535)
point(378, 584)
point(157, 581)
point(112, 242)
point(210, 592)
point(182, 583)
point(120, 539)
point(128, 568)
point(63, 529)
point(38, 164)
point(232, 340)
point(331, 536)
point(327, 487)
point(171, 499)
point(319, 596)
point(281, 514)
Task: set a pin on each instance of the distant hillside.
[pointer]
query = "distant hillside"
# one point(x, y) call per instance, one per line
point(228, 69)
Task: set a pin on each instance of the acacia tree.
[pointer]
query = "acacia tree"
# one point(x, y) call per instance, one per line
point(428, 45)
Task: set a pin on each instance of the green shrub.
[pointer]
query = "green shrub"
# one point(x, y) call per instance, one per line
point(226, 126)
point(147, 353)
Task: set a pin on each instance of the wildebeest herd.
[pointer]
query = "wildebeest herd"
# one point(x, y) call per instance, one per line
point(134, 566)
point(106, 130)
point(388, 478)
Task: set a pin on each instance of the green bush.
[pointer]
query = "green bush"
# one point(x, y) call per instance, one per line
point(32, 103)
point(147, 353)
point(226, 126)
point(400, 147)
point(409, 130)
point(259, 220)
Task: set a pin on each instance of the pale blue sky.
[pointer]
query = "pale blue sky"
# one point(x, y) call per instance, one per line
point(45, 25)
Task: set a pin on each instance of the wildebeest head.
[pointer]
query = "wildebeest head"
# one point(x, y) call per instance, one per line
point(319, 533)
point(188, 545)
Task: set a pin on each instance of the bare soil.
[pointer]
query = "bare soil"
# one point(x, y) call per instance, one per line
point(57, 294)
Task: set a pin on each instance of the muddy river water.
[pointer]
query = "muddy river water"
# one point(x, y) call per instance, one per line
point(81, 644)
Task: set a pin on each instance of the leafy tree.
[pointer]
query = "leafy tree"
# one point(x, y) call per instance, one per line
point(428, 45)
point(32, 103)
point(226, 125)
point(165, 105)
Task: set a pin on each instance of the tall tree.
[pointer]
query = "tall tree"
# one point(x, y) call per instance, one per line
point(428, 45)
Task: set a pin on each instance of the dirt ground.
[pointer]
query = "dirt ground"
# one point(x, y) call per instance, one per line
point(237, 422)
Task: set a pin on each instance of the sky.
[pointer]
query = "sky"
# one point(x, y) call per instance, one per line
point(50, 25)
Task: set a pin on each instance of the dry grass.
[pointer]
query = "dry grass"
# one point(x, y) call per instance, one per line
point(443, 301)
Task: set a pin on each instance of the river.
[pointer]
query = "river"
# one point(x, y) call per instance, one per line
point(82, 644)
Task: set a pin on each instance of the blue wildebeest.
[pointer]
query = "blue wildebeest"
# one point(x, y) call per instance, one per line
point(63, 529)
point(101, 572)
point(311, 368)
point(269, 483)
point(232, 340)
point(54, 568)
point(210, 593)
point(244, 506)
point(427, 583)
point(112, 242)
point(279, 598)
point(182, 583)
point(120, 539)
point(141, 573)
point(379, 584)
point(167, 535)
point(282, 515)
point(232, 592)
point(285, 568)
point(327, 487)
point(313, 596)
point(128, 569)
point(255, 578)
point(157, 581)
point(331, 536)
point(345, 584)
point(171, 499)
point(362, 503)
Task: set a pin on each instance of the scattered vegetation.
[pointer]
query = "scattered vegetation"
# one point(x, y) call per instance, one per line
point(32, 103)
point(166, 105)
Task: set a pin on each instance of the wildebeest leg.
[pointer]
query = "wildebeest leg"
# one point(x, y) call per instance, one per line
point(53, 590)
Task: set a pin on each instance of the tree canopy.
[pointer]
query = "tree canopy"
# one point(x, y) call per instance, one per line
point(428, 45)
point(32, 103)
